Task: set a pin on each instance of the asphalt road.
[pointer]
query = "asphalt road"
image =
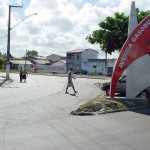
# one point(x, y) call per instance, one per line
point(36, 116)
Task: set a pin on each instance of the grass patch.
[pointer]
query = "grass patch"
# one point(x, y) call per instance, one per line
point(102, 105)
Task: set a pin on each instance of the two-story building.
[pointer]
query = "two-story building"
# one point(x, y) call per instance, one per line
point(87, 59)
point(77, 58)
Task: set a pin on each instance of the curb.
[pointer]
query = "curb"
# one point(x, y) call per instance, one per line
point(106, 112)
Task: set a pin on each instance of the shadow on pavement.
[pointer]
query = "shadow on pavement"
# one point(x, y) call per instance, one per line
point(11, 87)
point(144, 111)
point(2, 82)
point(73, 95)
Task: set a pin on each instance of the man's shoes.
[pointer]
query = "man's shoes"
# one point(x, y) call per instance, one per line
point(66, 92)
point(75, 92)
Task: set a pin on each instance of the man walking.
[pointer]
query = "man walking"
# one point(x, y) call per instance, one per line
point(70, 83)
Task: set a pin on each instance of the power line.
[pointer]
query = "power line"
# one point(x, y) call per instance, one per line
point(3, 36)
point(23, 3)
point(19, 23)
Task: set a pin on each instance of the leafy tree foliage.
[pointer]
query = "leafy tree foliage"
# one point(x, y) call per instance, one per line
point(113, 31)
point(2, 60)
point(32, 53)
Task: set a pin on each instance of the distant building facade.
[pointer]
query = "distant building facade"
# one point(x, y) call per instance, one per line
point(85, 59)
point(40, 61)
point(16, 63)
point(101, 66)
point(77, 58)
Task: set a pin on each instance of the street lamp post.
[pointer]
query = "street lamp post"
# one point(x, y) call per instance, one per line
point(8, 40)
point(23, 20)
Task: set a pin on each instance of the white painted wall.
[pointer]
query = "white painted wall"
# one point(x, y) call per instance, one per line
point(88, 66)
point(139, 76)
point(61, 64)
point(88, 54)
point(59, 67)
point(100, 67)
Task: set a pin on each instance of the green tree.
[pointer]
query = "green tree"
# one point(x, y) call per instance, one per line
point(113, 31)
point(32, 53)
point(2, 61)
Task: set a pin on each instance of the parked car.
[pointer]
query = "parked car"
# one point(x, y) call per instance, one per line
point(81, 71)
point(121, 89)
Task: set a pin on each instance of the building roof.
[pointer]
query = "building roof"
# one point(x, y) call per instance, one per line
point(64, 61)
point(39, 57)
point(53, 55)
point(56, 55)
point(41, 62)
point(80, 50)
point(62, 57)
point(20, 62)
point(76, 51)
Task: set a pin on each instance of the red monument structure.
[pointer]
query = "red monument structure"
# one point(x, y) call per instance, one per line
point(136, 46)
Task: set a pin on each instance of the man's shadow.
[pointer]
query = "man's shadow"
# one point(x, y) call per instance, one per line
point(73, 95)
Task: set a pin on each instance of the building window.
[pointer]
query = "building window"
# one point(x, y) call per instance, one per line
point(77, 56)
point(94, 66)
point(70, 56)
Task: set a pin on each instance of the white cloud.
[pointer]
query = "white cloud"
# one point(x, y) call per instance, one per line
point(60, 25)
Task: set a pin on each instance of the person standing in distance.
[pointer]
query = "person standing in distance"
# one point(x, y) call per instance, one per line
point(70, 82)
point(21, 74)
point(24, 75)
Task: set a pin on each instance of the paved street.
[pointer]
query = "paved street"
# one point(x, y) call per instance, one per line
point(36, 116)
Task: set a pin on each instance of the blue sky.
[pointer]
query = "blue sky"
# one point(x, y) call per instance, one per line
point(60, 26)
point(20, 11)
point(93, 2)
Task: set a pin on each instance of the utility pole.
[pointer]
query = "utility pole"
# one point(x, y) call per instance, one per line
point(8, 42)
point(25, 59)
